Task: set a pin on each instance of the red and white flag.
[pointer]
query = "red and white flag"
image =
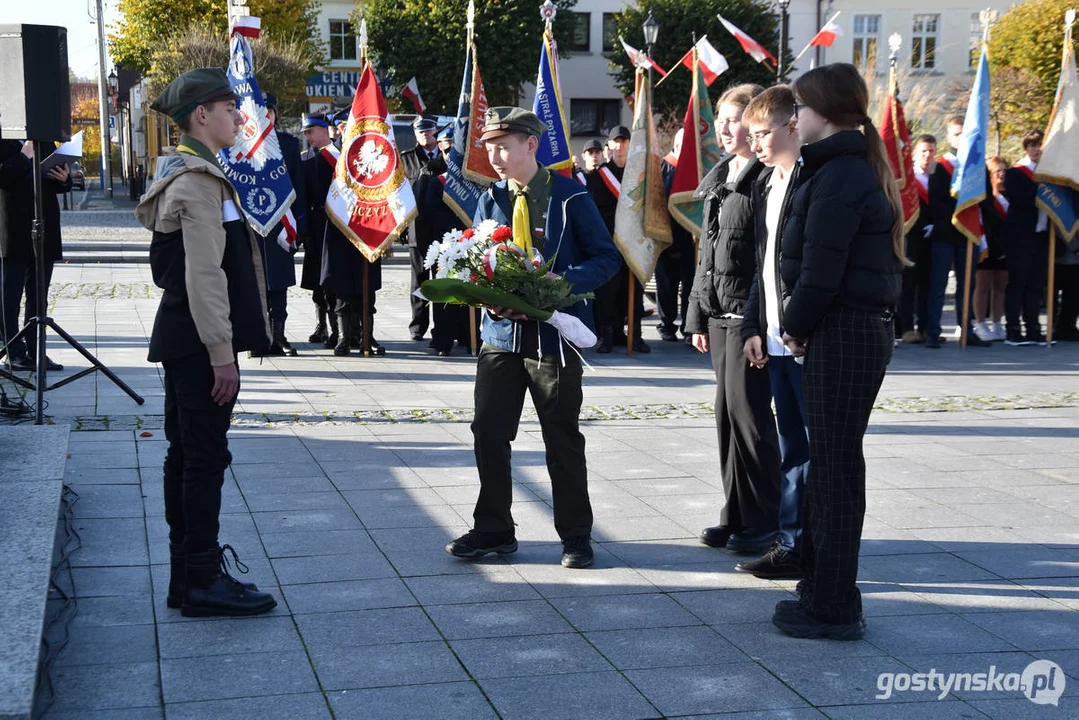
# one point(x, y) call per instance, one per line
point(712, 63)
point(637, 57)
point(827, 35)
point(246, 25)
point(753, 48)
point(370, 200)
point(412, 92)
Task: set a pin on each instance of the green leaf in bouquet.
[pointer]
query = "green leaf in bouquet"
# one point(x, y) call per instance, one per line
point(459, 292)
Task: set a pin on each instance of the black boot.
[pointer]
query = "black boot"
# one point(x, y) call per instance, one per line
point(344, 324)
point(279, 342)
point(332, 338)
point(606, 339)
point(319, 335)
point(177, 570)
point(212, 591)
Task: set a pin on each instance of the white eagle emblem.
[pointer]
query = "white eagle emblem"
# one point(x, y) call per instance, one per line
point(370, 161)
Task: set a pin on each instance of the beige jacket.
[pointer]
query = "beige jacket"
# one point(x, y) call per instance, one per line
point(192, 195)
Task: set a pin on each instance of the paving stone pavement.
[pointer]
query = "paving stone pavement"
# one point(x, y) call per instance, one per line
point(350, 474)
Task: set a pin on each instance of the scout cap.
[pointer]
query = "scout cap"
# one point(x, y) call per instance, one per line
point(425, 122)
point(314, 120)
point(593, 144)
point(193, 88)
point(621, 131)
point(503, 120)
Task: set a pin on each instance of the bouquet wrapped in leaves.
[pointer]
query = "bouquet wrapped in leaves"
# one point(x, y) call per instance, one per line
point(482, 267)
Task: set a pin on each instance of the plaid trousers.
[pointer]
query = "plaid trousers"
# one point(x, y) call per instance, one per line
point(845, 363)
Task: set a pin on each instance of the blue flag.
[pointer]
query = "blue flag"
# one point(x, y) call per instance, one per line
point(968, 180)
point(254, 164)
point(1058, 189)
point(554, 151)
point(461, 194)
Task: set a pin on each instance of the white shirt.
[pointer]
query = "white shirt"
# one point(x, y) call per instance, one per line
point(777, 192)
point(1043, 219)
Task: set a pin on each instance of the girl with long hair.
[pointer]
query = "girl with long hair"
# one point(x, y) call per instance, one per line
point(991, 278)
point(843, 253)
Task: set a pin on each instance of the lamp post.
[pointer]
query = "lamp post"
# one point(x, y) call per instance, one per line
point(651, 32)
point(784, 19)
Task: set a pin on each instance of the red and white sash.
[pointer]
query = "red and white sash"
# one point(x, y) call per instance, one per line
point(1001, 204)
point(613, 184)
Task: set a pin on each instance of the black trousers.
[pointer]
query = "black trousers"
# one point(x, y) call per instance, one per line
point(1067, 286)
point(748, 441)
point(1028, 266)
point(674, 280)
point(277, 300)
point(324, 299)
point(421, 314)
point(913, 308)
point(502, 377)
point(845, 364)
point(451, 325)
point(196, 428)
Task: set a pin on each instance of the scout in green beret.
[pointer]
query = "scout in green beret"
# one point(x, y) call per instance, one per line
point(206, 261)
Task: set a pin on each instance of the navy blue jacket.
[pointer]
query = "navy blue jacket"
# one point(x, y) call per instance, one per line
point(278, 263)
point(576, 240)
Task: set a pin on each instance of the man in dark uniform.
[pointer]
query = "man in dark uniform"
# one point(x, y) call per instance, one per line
point(277, 261)
point(416, 161)
point(605, 184)
point(341, 269)
point(544, 209)
point(205, 258)
point(316, 130)
point(676, 265)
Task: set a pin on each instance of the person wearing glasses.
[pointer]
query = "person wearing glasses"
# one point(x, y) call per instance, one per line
point(772, 126)
point(843, 255)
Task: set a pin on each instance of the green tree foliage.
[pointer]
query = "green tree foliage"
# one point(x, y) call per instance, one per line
point(1030, 37)
point(678, 21)
point(146, 25)
point(426, 39)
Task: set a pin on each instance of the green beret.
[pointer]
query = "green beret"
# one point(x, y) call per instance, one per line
point(193, 88)
point(503, 120)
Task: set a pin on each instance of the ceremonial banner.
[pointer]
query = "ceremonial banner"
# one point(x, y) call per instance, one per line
point(254, 165)
point(712, 63)
point(968, 180)
point(1058, 170)
point(370, 200)
point(700, 152)
point(467, 167)
point(412, 92)
point(554, 149)
point(642, 226)
point(896, 137)
point(827, 35)
point(753, 48)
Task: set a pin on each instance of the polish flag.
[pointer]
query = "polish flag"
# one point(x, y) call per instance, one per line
point(712, 63)
point(753, 48)
point(412, 92)
point(246, 25)
point(827, 35)
point(636, 57)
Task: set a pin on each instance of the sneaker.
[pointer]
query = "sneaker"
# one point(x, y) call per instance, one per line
point(668, 335)
point(577, 552)
point(984, 332)
point(913, 337)
point(475, 544)
point(778, 564)
point(716, 536)
point(933, 343)
point(640, 346)
point(800, 622)
point(1037, 339)
point(1014, 339)
point(751, 541)
point(998, 331)
point(973, 340)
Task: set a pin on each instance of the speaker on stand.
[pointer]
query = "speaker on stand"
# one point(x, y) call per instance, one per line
point(35, 104)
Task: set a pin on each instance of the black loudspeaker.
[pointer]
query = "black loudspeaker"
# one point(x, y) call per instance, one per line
point(35, 93)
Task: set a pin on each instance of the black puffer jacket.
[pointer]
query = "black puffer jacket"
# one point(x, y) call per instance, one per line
point(728, 253)
point(837, 246)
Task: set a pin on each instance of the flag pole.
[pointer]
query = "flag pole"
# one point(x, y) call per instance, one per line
point(470, 29)
point(966, 295)
point(632, 284)
point(1050, 292)
point(806, 48)
point(366, 349)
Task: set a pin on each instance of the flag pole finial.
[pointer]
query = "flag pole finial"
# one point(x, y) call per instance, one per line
point(1069, 20)
point(988, 18)
point(471, 24)
point(363, 41)
point(548, 12)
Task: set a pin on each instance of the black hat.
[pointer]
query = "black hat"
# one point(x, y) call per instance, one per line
point(314, 120)
point(620, 131)
point(593, 144)
point(503, 120)
point(193, 88)
point(271, 101)
point(425, 122)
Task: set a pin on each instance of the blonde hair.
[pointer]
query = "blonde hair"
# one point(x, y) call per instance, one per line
point(739, 95)
point(776, 104)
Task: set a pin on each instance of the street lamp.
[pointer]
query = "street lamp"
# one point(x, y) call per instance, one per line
point(783, 21)
point(113, 82)
point(651, 32)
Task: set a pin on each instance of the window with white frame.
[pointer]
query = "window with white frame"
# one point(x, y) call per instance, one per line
point(582, 26)
point(866, 34)
point(342, 40)
point(925, 35)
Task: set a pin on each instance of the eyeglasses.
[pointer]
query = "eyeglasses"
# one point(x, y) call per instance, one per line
point(757, 137)
point(797, 107)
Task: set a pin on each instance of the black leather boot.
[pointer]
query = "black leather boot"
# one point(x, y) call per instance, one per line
point(332, 338)
point(177, 571)
point(211, 591)
point(280, 345)
point(344, 324)
point(319, 335)
point(606, 339)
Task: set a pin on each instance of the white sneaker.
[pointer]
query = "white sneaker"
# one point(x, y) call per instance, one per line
point(984, 332)
point(998, 331)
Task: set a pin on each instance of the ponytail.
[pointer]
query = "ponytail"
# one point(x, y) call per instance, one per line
point(877, 156)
